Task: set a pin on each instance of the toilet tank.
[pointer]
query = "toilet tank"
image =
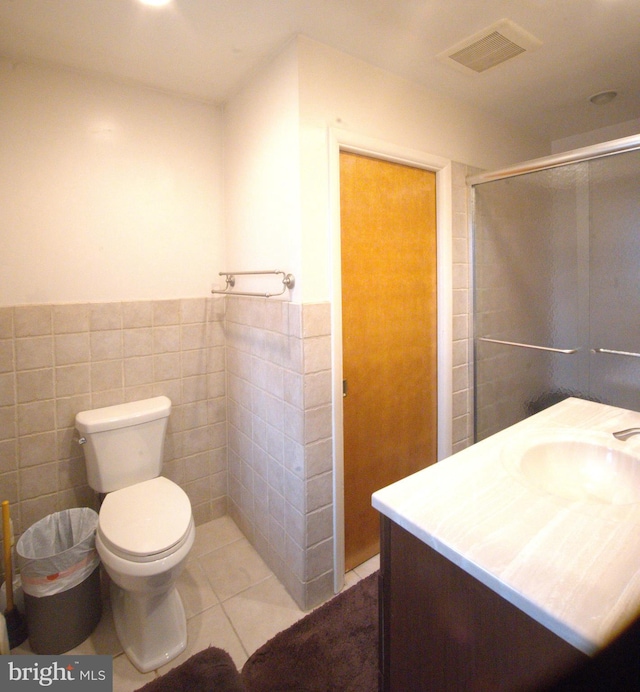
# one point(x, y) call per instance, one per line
point(124, 444)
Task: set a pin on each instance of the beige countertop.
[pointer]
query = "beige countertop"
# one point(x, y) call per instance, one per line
point(572, 565)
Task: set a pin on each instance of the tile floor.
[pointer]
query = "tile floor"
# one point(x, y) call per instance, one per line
point(232, 599)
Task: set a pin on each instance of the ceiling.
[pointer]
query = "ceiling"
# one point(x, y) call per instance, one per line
point(207, 48)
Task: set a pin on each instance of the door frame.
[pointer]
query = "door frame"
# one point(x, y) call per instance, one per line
point(343, 140)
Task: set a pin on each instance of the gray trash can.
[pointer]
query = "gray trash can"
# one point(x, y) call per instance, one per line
point(60, 571)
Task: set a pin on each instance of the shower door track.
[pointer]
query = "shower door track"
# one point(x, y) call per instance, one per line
point(616, 146)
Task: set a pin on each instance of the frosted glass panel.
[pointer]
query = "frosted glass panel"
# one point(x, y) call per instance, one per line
point(614, 199)
point(557, 267)
point(513, 383)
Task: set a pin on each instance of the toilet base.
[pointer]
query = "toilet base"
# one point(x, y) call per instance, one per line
point(151, 628)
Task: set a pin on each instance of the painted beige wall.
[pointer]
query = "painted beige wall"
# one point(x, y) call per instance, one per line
point(108, 192)
point(262, 176)
point(277, 153)
point(338, 90)
point(604, 134)
point(114, 192)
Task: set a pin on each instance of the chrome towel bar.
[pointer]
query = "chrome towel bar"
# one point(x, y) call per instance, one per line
point(566, 351)
point(288, 281)
point(616, 353)
point(569, 351)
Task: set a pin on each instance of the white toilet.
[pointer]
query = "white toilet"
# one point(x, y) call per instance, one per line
point(145, 526)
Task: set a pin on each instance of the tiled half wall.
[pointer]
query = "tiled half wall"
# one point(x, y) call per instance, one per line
point(56, 360)
point(280, 438)
point(273, 476)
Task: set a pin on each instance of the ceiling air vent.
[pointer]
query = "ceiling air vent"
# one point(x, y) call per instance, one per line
point(492, 46)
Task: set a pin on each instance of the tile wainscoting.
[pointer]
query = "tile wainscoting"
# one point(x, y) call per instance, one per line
point(56, 360)
point(250, 429)
point(272, 356)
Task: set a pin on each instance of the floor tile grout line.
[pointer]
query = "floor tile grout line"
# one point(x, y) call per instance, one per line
point(235, 631)
point(221, 601)
point(212, 587)
point(200, 556)
point(204, 610)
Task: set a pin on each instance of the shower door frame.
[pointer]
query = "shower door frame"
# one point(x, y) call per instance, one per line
point(595, 151)
point(585, 154)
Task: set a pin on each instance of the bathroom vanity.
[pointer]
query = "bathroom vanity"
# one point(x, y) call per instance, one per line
point(514, 560)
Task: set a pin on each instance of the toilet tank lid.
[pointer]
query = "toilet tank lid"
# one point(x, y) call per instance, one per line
point(123, 415)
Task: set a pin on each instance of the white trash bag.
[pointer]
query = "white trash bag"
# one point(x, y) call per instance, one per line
point(58, 552)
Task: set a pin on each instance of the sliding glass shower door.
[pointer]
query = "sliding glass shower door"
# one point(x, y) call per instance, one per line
point(615, 279)
point(556, 289)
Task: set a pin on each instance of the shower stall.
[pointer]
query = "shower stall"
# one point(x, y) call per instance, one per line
point(556, 276)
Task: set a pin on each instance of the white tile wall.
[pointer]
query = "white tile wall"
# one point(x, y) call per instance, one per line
point(462, 304)
point(56, 360)
point(279, 423)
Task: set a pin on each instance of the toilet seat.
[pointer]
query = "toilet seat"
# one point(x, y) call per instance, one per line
point(145, 521)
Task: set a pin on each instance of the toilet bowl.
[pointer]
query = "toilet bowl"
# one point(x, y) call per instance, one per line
point(145, 526)
point(145, 533)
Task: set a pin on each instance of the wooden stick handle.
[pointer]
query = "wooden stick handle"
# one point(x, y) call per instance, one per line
point(8, 571)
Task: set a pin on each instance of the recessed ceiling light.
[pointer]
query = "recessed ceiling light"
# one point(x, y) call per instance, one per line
point(603, 97)
point(156, 3)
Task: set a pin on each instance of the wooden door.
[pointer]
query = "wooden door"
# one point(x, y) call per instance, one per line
point(388, 247)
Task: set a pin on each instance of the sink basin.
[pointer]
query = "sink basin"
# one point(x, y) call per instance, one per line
point(578, 465)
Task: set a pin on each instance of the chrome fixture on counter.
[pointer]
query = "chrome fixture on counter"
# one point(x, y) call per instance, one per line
point(626, 434)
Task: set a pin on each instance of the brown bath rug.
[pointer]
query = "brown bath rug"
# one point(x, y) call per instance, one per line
point(333, 649)
point(210, 670)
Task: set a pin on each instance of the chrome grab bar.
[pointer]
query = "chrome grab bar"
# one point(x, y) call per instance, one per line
point(288, 281)
point(566, 351)
point(615, 353)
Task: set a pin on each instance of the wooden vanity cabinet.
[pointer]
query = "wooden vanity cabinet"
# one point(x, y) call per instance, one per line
point(441, 629)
